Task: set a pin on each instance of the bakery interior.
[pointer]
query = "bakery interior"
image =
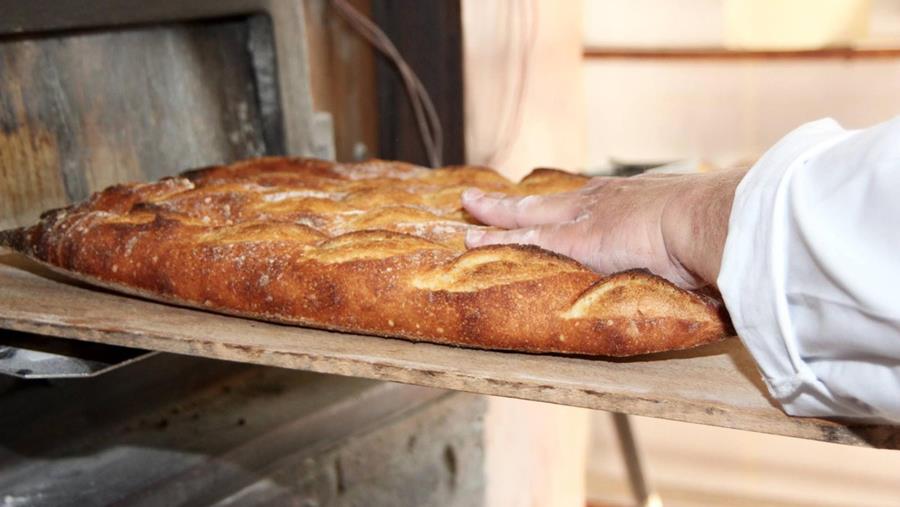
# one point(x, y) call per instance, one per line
point(108, 399)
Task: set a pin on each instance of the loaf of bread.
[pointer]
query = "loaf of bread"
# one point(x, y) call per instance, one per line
point(374, 247)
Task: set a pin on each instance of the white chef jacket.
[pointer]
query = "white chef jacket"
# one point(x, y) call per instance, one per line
point(811, 270)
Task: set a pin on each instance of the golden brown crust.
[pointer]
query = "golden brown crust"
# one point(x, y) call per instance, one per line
point(375, 247)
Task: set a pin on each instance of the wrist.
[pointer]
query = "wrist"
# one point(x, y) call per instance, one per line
point(695, 221)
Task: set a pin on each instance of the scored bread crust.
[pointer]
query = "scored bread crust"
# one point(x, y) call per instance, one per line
point(373, 247)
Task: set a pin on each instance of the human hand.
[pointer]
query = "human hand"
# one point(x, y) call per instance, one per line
point(673, 225)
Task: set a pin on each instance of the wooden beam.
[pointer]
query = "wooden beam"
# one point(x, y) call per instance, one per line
point(716, 385)
point(598, 53)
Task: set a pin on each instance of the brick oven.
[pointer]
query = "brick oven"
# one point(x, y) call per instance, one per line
point(97, 92)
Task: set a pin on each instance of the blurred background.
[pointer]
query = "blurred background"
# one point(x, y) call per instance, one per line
point(650, 81)
point(605, 85)
point(97, 92)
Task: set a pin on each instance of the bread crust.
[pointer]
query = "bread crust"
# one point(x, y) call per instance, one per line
point(374, 247)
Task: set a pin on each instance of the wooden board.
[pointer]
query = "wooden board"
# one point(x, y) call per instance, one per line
point(717, 385)
point(342, 78)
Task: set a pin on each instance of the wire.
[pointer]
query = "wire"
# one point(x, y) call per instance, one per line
point(427, 119)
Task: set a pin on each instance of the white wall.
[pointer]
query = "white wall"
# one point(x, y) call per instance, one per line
point(552, 125)
point(726, 111)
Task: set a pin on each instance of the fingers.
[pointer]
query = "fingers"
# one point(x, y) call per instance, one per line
point(512, 211)
point(554, 237)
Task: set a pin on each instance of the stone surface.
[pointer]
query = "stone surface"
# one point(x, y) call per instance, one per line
point(433, 457)
point(174, 430)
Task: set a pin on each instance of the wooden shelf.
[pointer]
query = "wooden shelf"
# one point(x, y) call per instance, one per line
point(715, 53)
point(716, 385)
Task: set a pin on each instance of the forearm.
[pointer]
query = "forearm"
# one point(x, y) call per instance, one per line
point(695, 221)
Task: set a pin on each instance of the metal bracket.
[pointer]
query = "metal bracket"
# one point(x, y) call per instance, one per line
point(30, 356)
point(644, 495)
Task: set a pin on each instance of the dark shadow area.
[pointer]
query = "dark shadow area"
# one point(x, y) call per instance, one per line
point(176, 429)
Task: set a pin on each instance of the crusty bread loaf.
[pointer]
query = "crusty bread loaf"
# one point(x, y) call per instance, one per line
point(375, 247)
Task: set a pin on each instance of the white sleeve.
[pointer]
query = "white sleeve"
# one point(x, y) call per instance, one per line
point(811, 270)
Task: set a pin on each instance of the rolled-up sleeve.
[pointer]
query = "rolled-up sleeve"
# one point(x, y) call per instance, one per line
point(811, 270)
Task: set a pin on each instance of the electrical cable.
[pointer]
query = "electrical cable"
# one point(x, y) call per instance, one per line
point(427, 120)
